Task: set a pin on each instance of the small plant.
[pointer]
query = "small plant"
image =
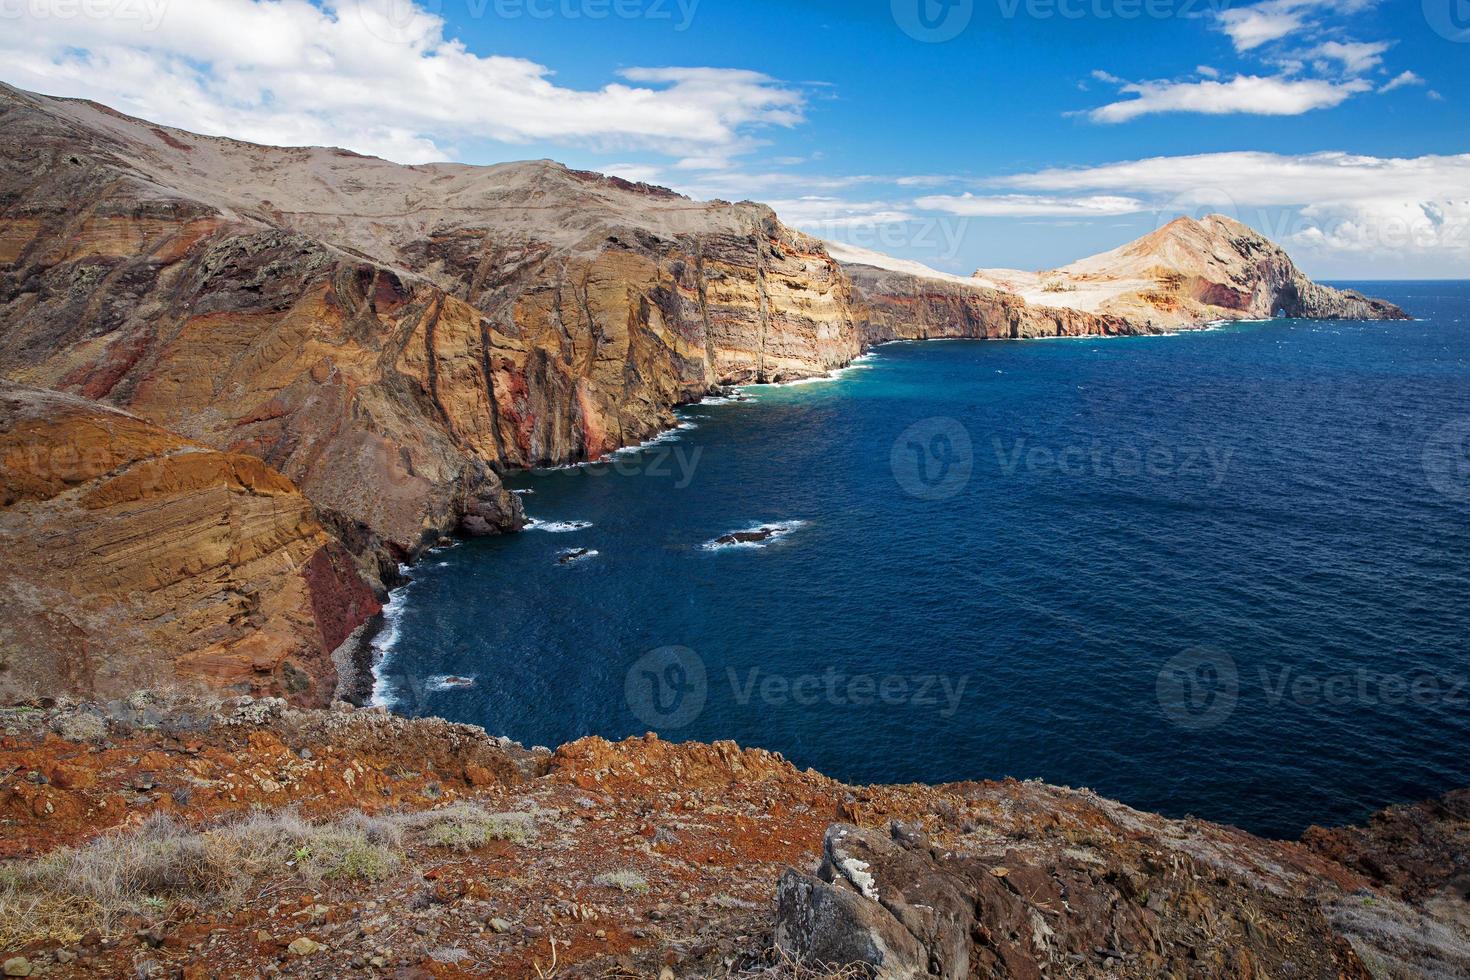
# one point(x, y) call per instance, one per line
point(623, 881)
point(466, 827)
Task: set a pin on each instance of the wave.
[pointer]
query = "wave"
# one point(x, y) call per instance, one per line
point(754, 536)
point(383, 643)
point(557, 527)
point(448, 683)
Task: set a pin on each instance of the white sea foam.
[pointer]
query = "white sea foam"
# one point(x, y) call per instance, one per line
point(448, 683)
point(384, 642)
point(557, 527)
point(779, 529)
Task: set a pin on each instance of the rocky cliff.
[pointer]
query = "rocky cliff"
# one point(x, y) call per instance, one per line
point(133, 557)
point(247, 838)
point(388, 337)
point(1187, 274)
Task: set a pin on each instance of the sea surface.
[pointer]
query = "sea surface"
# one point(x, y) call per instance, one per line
point(1221, 573)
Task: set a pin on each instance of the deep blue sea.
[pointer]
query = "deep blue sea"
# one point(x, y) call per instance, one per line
point(1223, 573)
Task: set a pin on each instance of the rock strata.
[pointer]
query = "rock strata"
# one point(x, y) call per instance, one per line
point(133, 557)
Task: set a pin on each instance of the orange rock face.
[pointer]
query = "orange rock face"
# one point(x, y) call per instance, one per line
point(133, 557)
point(387, 337)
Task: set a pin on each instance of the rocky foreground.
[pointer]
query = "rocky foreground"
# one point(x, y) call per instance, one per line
point(158, 837)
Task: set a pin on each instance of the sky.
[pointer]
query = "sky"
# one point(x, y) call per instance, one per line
point(963, 134)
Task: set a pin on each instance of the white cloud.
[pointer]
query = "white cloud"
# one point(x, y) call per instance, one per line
point(1251, 27)
point(1404, 80)
point(829, 213)
point(1332, 202)
point(1253, 94)
point(344, 73)
point(1356, 57)
point(1029, 205)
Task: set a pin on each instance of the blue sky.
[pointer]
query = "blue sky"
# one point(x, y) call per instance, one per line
point(961, 133)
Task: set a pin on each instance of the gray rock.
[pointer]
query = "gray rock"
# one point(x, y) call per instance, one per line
point(834, 926)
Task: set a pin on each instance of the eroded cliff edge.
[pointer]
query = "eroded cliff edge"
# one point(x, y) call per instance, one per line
point(244, 837)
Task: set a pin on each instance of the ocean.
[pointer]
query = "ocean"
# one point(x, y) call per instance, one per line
point(1223, 573)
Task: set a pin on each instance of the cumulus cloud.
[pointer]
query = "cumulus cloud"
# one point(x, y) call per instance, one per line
point(1259, 24)
point(1329, 201)
point(369, 75)
point(1251, 27)
point(1356, 57)
point(1254, 94)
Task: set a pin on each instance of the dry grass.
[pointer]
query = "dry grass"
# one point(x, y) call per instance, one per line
point(465, 827)
point(780, 965)
point(163, 864)
point(623, 881)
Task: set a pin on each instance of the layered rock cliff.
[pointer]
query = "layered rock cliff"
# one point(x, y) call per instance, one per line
point(388, 337)
point(131, 557)
point(1188, 273)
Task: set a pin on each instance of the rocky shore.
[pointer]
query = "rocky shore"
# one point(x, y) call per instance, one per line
point(246, 837)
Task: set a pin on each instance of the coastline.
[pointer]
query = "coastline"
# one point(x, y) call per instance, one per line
point(364, 685)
